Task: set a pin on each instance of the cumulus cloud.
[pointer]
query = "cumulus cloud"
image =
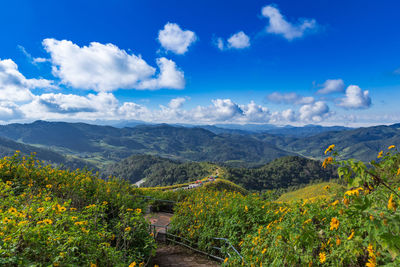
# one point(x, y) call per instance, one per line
point(355, 98)
point(176, 103)
point(315, 112)
point(279, 25)
point(14, 86)
point(173, 38)
point(255, 113)
point(332, 86)
point(169, 77)
point(290, 98)
point(289, 115)
point(105, 67)
point(238, 40)
point(10, 111)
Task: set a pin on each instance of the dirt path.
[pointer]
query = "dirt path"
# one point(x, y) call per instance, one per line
point(173, 255)
point(177, 256)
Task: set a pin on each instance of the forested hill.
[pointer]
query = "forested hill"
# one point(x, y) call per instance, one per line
point(8, 148)
point(105, 144)
point(289, 171)
point(158, 171)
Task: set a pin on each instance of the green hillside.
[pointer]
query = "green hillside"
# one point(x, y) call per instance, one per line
point(8, 148)
point(290, 171)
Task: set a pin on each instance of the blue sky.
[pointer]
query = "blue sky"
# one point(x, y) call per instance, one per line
point(279, 62)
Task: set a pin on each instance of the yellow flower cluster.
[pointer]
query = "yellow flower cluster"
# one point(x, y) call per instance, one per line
point(329, 149)
point(334, 224)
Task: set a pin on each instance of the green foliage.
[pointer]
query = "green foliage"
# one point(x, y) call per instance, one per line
point(311, 191)
point(50, 216)
point(284, 172)
point(359, 226)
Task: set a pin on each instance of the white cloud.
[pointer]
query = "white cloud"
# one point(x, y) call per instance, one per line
point(332, 86)
point(315, 112)
point(289, 115)
point(239, 41)
point(69, 106)
point(169, 77)
point(279, 25)
point(220, 44)
point(14, 86)
point(255, 113)
point(105, 67)
point(355, 98)
point(290, 98)
point(176, 103)
point(222, 110)
point(10, 111)
point(173, 38)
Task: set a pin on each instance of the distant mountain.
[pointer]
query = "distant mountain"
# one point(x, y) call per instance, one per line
point(102, 145)
point(360, 143)
point(106, 144)
point(307, 130)
point(9, 147)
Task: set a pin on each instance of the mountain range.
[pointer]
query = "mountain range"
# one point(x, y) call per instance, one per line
point(99, 146)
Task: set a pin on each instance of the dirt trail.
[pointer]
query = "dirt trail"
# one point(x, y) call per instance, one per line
point(173, 255)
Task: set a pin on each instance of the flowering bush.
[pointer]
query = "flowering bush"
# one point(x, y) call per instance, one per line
point(56, 217)
point(357, 226)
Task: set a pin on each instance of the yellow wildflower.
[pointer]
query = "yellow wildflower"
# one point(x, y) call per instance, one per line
point(226, 260)
point(129, 209)
point(322, 257)
point(8, 183)
point(105, 202)
point(127, 229)
point(371, 262)
point(370, 250)
point(93, 265)
point(398, 171)
point(392, 146)
point(246, 209)
point(327, 161)
point(49, 186)
point(335, 202)
point(351, 235)
point(264, 250)
point(338, 241)
point(48, 221)
point(380, 154)
point(138, 210)
point(391, 203)
point(40, 210)
point(329, 149)
point(334, 224)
